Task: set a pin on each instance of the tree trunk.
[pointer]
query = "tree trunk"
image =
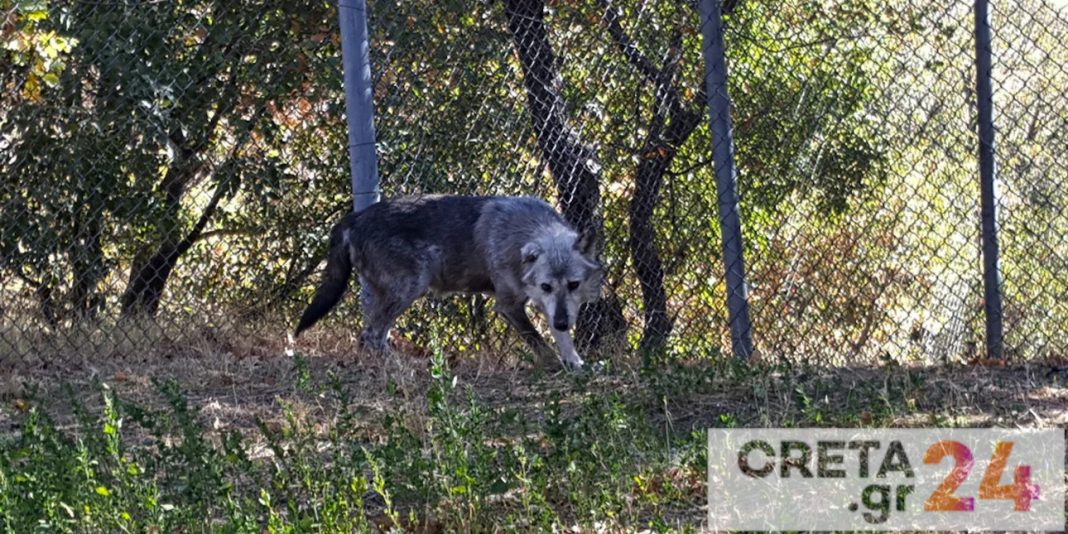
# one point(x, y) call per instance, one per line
point(659, 153)
point(150, 271)
point(88, 269)
point(670, 127)
point(572, 163)
point(148, 278)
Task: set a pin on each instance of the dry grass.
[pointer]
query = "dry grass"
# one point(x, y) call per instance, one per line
point(236, 376)
point(235, 379)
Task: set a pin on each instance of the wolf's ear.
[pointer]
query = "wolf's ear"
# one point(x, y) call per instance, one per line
point(530, 252)
point(586, 244)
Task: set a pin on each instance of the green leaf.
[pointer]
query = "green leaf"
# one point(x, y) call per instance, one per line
point(32, 5)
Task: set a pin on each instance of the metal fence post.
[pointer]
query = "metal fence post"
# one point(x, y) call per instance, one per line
point(726, 177)
point(359, 106)
point(988, 188)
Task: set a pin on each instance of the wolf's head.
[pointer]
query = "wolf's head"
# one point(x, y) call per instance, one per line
point(560, 274)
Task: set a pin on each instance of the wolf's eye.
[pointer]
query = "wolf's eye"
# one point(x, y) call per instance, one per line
point(547, 288)
point(572, 285)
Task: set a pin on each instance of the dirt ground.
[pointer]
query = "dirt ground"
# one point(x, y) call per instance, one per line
point(233, 383)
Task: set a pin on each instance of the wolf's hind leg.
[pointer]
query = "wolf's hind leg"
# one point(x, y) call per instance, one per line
point(370, 338)
point(381, 308)
point(516, 316)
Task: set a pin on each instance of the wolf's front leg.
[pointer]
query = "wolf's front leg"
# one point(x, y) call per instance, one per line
point(568, 354)
point(516, 316)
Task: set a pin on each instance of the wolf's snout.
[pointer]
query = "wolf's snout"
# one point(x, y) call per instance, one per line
point(560, 314)
point(560, 323)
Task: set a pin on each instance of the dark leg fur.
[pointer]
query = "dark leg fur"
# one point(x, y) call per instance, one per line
point(381, 311)
point(516, 316)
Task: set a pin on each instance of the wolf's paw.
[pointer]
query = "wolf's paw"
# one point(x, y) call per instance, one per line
point(574, 365)
point(373, 344)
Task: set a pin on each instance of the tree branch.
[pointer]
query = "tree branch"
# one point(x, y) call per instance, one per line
point(626, 45)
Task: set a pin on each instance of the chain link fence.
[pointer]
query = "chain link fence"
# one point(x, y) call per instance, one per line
point(171, 169)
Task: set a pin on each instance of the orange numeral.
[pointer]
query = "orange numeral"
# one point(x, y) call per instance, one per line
point(1021, 490)
point(943, 499)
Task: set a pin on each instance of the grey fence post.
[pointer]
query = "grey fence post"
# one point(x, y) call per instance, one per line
point(988, 189)
point(359, 106)
point(726, 177)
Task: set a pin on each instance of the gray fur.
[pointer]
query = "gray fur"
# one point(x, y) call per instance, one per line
point(512, 247)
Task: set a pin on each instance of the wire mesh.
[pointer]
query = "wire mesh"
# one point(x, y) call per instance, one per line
point(171, 170)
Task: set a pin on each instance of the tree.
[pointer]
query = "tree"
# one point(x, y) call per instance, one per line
point(573, 164)
point(155, 118)
point(669, 127)
point(240, 69)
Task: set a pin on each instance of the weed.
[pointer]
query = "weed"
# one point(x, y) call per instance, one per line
point(625, 449)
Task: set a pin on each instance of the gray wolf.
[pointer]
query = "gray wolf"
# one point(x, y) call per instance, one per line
point(517, 248)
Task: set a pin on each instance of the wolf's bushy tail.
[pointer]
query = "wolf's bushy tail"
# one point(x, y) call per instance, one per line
point(335, 279)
